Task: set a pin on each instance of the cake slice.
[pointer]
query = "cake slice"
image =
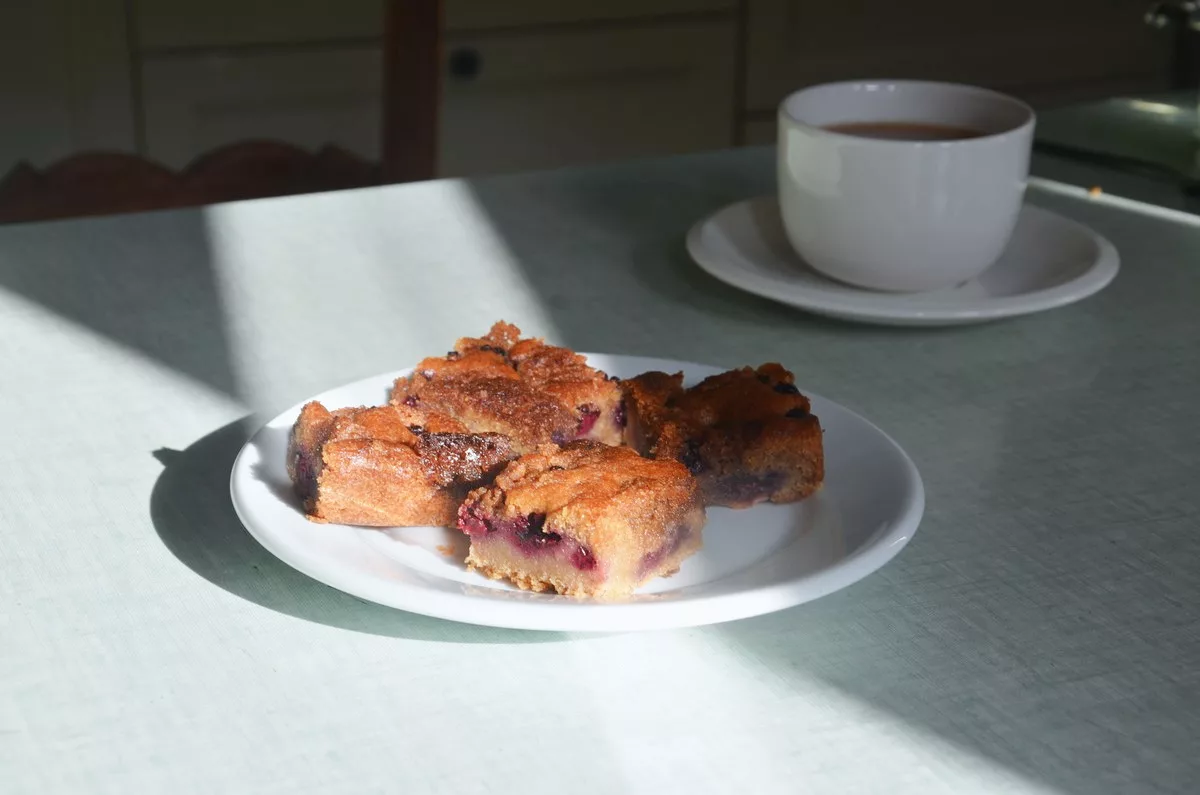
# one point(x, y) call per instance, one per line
point(585, 520)
point(566, 376)
point(531, 392)
point(748, 435)
point(379, 467)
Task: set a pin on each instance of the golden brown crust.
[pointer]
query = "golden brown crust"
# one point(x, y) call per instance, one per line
point(647, 401)
point(473, 364)
point(567, 377)
point(740, 396)
point(462, 459)
point(522, 388)
point(747, 434)
point(309, 432)
point(378, 484)
point(373, 422)
point(367, 466)
point(501, 335)
point(485, 404)
point(428, 421)
point(609, 499)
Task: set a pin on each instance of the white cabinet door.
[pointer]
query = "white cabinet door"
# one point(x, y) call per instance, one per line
point(195, 103)
point(168, 24)
point(539, 100)
point(64, 80)
point(511, 101)
point(1042, 50)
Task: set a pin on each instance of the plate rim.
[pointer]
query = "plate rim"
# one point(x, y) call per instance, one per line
point(873, 306)
point(699, 610)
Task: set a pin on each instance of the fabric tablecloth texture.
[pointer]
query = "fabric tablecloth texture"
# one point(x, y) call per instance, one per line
point(1040, 634)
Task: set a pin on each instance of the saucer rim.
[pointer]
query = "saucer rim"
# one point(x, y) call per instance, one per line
point(855, 303)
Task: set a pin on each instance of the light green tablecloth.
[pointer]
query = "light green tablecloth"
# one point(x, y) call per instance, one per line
point(1040, 634)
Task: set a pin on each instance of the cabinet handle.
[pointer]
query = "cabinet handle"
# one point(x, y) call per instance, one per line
point(465, 63)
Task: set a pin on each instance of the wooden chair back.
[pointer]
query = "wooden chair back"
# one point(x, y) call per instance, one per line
point(103, 183)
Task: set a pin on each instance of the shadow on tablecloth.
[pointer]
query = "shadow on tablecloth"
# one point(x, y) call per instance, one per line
point(622, 228)
point(1018, 631)
point(191, 510)
point(147, 282)
point(1069, 695)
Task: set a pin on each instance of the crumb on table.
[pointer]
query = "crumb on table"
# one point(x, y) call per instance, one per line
point(1094, 191)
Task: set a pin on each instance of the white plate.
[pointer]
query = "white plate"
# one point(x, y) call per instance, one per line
point(754, 561)
point(1050, 261)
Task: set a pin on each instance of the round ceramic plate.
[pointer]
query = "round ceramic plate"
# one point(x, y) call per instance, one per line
point(753, 561)
point(1050, 261)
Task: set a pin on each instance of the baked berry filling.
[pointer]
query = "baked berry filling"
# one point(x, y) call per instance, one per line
point(410, 401)
point(472, 521)
point(582, 558)
point(619, 415)
point(527, 533)
point(306, 477)
point(690, 457)
point(588, 414)
point(782, 387)
point(678, 534)
point(530, 531)
point(796, 414)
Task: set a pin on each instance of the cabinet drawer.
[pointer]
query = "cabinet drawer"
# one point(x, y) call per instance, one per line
point(215, 23)
point(64, 81)
point(163, 24)
point(196, 103)
point(1030, 47)
point(538, 101)
point(528, 101)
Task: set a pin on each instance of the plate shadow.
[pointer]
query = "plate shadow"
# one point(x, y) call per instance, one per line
point(193, 515)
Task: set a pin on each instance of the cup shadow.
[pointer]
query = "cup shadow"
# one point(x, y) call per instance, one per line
point(194, 517)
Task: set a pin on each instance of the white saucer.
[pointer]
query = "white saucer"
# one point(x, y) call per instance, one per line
point(1050, 261)
point(753, 561)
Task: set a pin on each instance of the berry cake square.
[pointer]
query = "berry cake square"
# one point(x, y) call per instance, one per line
point(586, 520)
point(531, 392)
point(748, 435)
point(386, 466)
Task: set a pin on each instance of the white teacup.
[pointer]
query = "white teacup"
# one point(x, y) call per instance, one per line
point(904, 215)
